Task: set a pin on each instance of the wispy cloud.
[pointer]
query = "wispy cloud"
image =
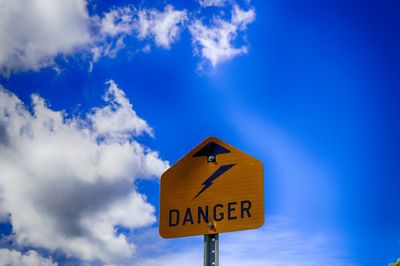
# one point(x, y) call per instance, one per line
point(215, 42)
point(280, 243)
point(163, 26)
point(116, 25)
point(208, 3)
point(277, 243)
point(60, 29)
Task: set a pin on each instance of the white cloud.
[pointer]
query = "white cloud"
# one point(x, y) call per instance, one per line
point(112, 29)
point(32, 40)
point(67, 182)
point(34, 32)
point(164, 26)
point(215, 42)
point(55, 28)
point(208, 3)
point(118, 118)
point(30, 258)
point(241, 17)
point(117, 21)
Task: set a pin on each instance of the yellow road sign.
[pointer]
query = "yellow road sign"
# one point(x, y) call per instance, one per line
point(215, 188)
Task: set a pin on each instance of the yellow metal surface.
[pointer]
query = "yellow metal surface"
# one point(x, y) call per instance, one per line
point(199, 197)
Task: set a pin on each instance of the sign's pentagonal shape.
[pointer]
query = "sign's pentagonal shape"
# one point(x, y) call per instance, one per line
point(215, 188)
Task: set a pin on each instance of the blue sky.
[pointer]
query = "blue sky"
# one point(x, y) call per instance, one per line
point(125, 88)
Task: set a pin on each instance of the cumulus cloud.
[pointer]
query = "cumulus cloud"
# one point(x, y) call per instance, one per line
point(34, 32)
point(67, 183)
point(30, 258)
point(215, 42)
point(118, 118)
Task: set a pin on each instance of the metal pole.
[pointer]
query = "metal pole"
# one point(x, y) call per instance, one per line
point(211, 250)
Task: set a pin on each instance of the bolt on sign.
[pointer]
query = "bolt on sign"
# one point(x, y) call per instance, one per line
point(215, 188)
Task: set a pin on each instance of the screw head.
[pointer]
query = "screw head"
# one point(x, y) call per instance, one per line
point(211, 158)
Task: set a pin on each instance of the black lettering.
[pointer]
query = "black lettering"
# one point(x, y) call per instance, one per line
point(202, 214)
point(230, 210)
point(245, 208)
point(171, 223)
point(188, 217)
point(221, 214)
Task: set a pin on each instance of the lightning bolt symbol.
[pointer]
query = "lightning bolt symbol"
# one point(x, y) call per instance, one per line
point(214, 176)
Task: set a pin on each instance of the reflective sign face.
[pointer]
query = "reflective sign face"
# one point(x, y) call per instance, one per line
point(215, 188)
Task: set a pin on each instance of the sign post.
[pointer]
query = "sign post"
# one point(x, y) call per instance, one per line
point(211, 250)
point(213, 189)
